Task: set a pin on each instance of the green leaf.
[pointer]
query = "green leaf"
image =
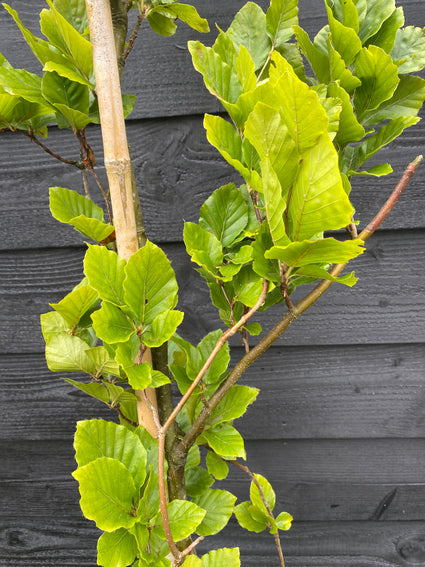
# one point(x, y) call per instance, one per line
point(222, 558)
point(386, 134)
point(379, 78)
point(302, 112)
point(248, 28)
point(107, 494)
point(407, 100)
point(377, 12)
point(345, 11)
point(216, 466)
point(203, 247)
point(350, 130)
point(225, 441)
point(74, 11)
point(318, 60)
point(162, 328)
point(268, 493)
point(197, 480)
point(184, 518)
point(69, 98)
point(19, 82)
point(409, 49)
point(344, 39)
point(314, 271)
point(248, 286)
point(220, 363)
point(377, 170)
point(219, 506)
point(183, 12)
point(112, 325)
point(327, 250)
point(70, 207)
point(105, 272)
point(94, 389)
point(150, 286)
point(97, 438)
point(148, 506)
point(386, 35)
point(103, 363)
point(139, 374)
point(19, 114)
point(67, 353)
point(250, 518)
point(339, 70)
point(116, 549)
point(224, 214)
point(262, 266)
point(52, 324)
point(284, 521)
point(280, 17)
point(193, 561)
point(220, 79)
point(234, 404)
point(67, 39)
point(222, 135)
point(318, 200)
point(73, 306)
point(245, 68)
point(162, 24)
point(269, 135)
point(275, 203)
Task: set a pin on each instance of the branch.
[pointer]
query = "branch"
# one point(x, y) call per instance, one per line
point(31, 136)
point(163, 430)
point(291, 316)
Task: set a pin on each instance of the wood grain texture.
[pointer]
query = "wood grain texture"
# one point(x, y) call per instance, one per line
point(387, 305)
point(315, 480)
point(312, 544)
point(373, 391)
point(176, 170)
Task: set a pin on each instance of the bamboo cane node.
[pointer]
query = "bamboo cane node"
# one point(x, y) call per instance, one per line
point(118, 166)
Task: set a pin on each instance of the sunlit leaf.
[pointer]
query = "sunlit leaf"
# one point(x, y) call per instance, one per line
point(112, 325)
point(280, 17)
point(219, 506)
point(184, 518)
point(225, 441)
point(377, 12)
point(67, 353)
point(105, 272)
point(107, 493)
point(327, 250)
point(386, 35)
point(116, 549)
point(216, 466)
point(73, 306)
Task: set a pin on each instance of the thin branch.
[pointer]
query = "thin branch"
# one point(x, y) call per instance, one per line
point(266, 504)
point(163, 430)
point(291, 316)
point(32, 137)
point(104, 194)
point(188, 550)
point(132, 39)
point(125, 418)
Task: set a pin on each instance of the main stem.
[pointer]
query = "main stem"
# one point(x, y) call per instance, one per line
point(115, 145)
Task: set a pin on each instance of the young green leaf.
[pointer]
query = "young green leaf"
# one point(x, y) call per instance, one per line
point(345, 11)
point(116, 549)
point(219, 506)
point(184, 518)
point(251, 518)
point(67, 353)
point(225, 214)
point(74, 11)
point(162, 328)
point(318, 60)
point(222, 558)
point(148, 506)
point(19, 82)
point(162, 24)
point(94, 389)
point(372, 14)
point(268, 493)
point(284, 521)
point(318, 273)
point(234, 404)
point(107, 494)
point(203, 247)
point(97, 438)
point(275, 204)
point(350, 130)
point(248, 286)
point(225, 441)
point(183, 12)
point(379, 78)
point(112, 325)
point(344, 39)
point(216, 466)
point(409, 49)
point(385, 37)
point(73, 306)
point(103, 363)
point(150, 286)
point(245, 69)
point(105, 272)
point(261, 265)
point(69, 98)
point(280, 17)
point(327, 250)
point(318, 200)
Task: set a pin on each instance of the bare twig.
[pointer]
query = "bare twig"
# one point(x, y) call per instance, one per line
point(33, 138)
point(291, 316)
point(132, 39)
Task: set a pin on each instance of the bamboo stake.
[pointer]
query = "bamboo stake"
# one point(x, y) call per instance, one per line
point(116, 154)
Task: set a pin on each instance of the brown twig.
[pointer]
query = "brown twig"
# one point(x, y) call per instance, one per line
point(266, 504)
point(291, 316)
point(33, 138)
point(132, 39)
point(163, 430)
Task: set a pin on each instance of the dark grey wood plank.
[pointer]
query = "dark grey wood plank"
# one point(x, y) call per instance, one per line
point(320, 392)
point(312, 544)
point(176, 170)
point(386, 305)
